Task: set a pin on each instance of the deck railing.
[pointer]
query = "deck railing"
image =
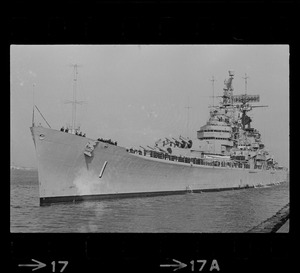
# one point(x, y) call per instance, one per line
point(193, 160)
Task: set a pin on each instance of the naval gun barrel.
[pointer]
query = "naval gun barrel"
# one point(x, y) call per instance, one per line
point(158, 141)
point(183, 139)
point(176, 140)
point(171, 141)
point(143, 148)
point(178, 143)
point(151, 148)
point(162, 150)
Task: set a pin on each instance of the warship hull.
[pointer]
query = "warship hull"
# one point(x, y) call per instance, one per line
point(66, 173)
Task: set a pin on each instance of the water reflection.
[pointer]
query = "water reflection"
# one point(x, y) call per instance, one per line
point(227, 211)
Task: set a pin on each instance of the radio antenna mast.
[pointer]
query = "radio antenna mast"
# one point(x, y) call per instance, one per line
point(74, 101)
point(33, 104)
point(245, 78)
point(213, 89)
point(188, 116)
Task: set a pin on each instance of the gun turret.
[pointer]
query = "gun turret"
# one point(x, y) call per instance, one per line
point(187, 142)
point(184, 142)
point(178, 143)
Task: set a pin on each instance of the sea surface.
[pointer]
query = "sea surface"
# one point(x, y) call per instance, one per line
point(234, 211)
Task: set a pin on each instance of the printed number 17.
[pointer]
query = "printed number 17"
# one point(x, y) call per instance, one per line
point(60, 262)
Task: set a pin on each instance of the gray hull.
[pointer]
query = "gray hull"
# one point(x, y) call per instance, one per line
point(66, 173)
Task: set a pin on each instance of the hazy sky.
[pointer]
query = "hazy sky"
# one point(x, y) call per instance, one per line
point(138, 94)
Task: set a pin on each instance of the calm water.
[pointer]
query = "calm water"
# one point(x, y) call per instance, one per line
point(227, 211)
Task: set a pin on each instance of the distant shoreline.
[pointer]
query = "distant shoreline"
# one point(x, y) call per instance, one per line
point(23, 168)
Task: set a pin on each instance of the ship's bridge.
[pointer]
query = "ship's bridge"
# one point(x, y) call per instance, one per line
point(214, 131)
point(215, 139)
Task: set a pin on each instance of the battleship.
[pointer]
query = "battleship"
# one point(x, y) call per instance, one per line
point(227, 153)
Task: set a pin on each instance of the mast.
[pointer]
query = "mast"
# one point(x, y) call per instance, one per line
point(74, 98)
point(213, 89)
point(228, 89)
point(245, 78)
point(74, 101)
point(245, 101)
point(33, 104)
point(188, 116)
